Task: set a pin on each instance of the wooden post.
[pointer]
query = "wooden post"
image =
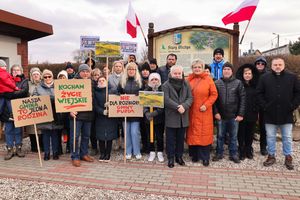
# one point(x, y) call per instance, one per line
point(151, 127)
point(38, 144)
point(125, 136)
point(74, 134)
point(90, 59)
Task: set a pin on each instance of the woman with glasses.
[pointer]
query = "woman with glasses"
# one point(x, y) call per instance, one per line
point(50, 130)
point(200, 131)
point(131, 83)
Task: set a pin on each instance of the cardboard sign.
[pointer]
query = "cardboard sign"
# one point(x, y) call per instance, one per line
point(151, 99)
point(73, 95)
point(128, 47)
point(88, 42)
point(124, 106)
point(107, 49)
point(32, 110)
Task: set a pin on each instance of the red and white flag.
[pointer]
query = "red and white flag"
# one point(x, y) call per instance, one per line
point(242, 13)
point(131, 22)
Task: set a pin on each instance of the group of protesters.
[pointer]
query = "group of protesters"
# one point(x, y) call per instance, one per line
point(210, 99)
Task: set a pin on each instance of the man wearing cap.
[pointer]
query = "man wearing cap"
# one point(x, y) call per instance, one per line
point(261, 66)
point(217, 64)
point(229, 111)
point(164, 71)
point(278, 94)
point(83, 125)
point(70, 69)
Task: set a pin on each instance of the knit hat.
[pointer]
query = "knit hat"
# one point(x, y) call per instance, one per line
point(2, 63)
point(34, 70)
point(145, 66)
point(154, 75)
point(69, 65)
point(64, 73)
point(47, 71)
point(228, 64)
point(260, 59)
point(153, 61)
point(219, 50)
point(83, 67)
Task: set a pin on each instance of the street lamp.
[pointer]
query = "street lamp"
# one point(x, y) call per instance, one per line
point(277, 42)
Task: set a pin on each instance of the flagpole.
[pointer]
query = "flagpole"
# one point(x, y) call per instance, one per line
point(143, 35)
point(245, 32)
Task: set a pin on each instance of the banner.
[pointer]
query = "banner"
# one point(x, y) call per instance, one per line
point(124, 106)
point(73, 95)
point(107, 49)
point(32, 110)
point(128, 47)
point(88, 42)
point(151, 99)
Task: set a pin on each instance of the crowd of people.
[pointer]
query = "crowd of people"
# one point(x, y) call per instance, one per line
point(209, 100)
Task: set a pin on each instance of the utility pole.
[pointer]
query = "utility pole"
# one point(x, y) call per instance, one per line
point(277, 42)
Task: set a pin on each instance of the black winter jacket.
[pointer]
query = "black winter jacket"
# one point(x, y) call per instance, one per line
point(279, 96)
point(163, 71)
point(231, 98)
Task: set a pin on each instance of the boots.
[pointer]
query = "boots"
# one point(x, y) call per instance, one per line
point(10, 153)
point(19, 151)
point(289, 162)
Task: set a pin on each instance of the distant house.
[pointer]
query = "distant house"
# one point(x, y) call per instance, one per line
point(15, 33)
point(282, 50)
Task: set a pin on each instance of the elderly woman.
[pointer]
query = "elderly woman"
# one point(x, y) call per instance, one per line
point(35, 79)
point(131, 83)
point(50, 130)
point(13, 135)
point(178, 99)
point(200, 132)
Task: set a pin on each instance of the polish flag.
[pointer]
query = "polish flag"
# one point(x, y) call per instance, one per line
point(131, 22)
point(242, 13)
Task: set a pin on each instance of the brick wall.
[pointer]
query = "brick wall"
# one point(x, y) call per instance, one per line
point(22, 50)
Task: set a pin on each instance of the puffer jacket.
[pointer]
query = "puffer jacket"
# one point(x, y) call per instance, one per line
point(42, 90)
point(231, 99)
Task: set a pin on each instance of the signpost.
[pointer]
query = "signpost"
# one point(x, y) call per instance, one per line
point(31, 111)
point(124, 106)
point(73, 95)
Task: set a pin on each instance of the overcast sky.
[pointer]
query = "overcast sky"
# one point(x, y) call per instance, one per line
point(106, 18)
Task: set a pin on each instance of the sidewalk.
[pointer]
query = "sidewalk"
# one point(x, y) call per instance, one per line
point(135, 177)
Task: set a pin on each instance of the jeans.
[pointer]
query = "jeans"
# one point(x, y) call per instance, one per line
point(13, 135)
point(230, 126)
point(286, 132)
point(133, 138)
point(53, 137)
point(84, 128)
point(175, 142)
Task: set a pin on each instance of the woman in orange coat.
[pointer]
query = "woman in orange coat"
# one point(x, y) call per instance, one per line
point(200, 132)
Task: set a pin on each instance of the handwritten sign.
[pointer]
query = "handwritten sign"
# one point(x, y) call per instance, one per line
point(73, 95)
point(151, 99)
point(124, 106)
point(32, 110)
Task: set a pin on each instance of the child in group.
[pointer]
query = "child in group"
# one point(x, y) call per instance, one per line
point(7, 84)
point(157, 115)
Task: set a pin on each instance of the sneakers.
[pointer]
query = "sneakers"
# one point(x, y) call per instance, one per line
point(152, 156)
point(289, 162)
point(160, 156)
point(10, 153)
point(138, 157)
point(128, 156)
point(101, 158)
point(19, 151)
point(270, 161)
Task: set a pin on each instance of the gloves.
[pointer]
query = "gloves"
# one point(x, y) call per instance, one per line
point(105, 112)
point(106, 104)
point(148, 116)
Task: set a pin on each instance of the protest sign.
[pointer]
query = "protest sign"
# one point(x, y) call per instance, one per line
point(151, 99)
point(107, 49)
point(124, 106)
point(128, 47)
point(73, 95)
point(32, 110)
point(88, 42)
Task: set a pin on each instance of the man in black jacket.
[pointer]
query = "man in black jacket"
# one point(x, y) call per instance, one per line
point(165, 70)
point(229, 111)
point(279, 95)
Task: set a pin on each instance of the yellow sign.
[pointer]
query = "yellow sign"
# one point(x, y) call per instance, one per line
point(32, 110)
point(107, 49)
point(151, 99)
